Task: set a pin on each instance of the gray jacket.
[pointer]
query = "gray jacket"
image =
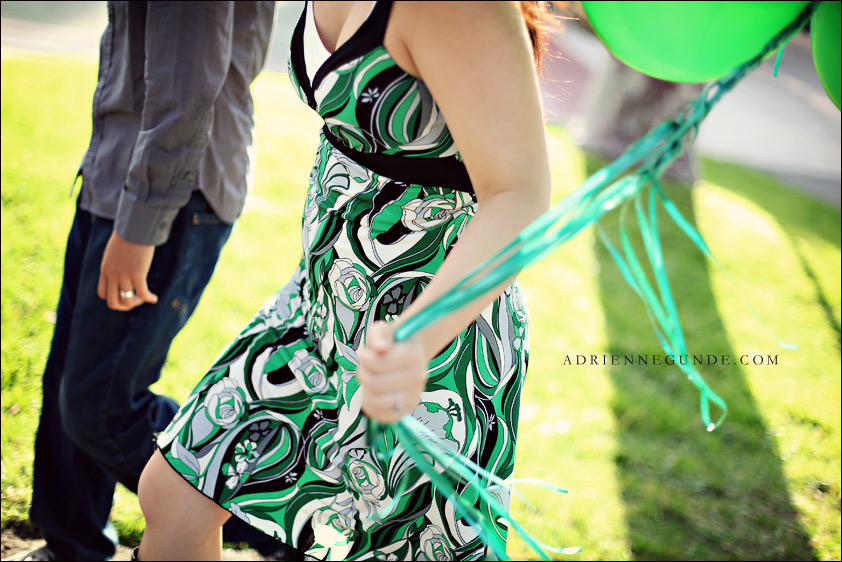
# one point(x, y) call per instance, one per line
point(172, 112)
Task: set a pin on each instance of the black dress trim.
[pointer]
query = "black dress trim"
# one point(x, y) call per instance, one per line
point(366, 38)
point(296, 57)
point(447, 172)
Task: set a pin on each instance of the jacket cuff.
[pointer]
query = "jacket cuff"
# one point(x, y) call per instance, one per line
point(142, 224)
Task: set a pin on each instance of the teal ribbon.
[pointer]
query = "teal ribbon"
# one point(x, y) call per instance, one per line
point(611, 187)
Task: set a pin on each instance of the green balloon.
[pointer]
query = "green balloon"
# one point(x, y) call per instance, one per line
point(827, 38)
point(689, 41)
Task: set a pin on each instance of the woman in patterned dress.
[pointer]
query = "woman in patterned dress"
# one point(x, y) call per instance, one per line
point(432, 158)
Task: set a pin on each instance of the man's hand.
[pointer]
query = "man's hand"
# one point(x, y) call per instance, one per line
point(124, 269)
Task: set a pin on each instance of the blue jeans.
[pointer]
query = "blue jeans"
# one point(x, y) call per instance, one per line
point(98, 415)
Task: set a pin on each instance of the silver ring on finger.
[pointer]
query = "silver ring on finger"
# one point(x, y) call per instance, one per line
point(127, 294)
point(399, 404)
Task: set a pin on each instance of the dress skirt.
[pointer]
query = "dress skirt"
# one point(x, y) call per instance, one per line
point(274, 432)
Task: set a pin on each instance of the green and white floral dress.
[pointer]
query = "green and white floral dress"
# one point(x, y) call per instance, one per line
point(274, 431)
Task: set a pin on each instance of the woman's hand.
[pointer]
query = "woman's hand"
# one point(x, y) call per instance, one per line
point(392, 374)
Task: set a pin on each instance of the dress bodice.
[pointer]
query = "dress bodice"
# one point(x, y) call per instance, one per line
point(375, 112)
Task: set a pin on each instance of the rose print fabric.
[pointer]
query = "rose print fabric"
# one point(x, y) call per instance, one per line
point(274, 431)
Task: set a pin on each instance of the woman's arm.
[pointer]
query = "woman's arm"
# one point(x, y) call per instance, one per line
point(476, 60)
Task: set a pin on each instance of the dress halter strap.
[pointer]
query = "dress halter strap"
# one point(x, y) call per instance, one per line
point(367, 37)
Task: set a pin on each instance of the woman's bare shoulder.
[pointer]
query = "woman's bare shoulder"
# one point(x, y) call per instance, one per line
point(415, 23)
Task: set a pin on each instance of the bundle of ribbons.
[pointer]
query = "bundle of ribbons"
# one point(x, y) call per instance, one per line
point(631, 181)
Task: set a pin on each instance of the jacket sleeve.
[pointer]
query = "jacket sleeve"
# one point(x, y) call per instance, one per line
point(188, 51)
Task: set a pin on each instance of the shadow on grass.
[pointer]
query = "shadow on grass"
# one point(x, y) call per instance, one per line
point(690, 494)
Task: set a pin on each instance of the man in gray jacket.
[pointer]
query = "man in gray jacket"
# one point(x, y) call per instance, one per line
point(164, 178)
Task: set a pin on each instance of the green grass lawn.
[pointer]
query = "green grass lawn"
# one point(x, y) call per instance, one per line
point(646, 481)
